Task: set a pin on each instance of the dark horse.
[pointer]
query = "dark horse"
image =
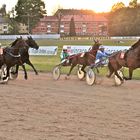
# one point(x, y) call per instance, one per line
point(11, 55)
point(24, 52)
point(86, 60)
point(131, 60)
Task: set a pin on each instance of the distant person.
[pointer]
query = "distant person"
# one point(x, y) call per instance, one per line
point(1, 50)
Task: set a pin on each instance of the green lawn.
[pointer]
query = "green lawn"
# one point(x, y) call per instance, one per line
point(46, 63)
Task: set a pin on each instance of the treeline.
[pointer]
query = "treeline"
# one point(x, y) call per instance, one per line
point(124, 21)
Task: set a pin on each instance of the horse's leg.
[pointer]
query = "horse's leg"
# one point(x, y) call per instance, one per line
point(83, 69)
point(72, 66)
point(17, 67)
point(130, 75)
point(29, 63)
point(116, 73)
point(111, 70)
point(25, 72)
point(7, 74)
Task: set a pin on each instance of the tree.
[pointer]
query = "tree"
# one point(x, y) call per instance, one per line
point(72, 28)
point(117, 6)
point(56, 8)
point(3, 10)
point(133, 4)
point(29, 12)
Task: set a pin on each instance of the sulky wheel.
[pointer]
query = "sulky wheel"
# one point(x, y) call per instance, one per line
point(90, 77)
point(56, 72)
point(13, 74)
point(117, 81)
point(3, 72)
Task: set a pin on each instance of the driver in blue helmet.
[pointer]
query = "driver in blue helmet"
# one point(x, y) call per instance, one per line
point(101, 56)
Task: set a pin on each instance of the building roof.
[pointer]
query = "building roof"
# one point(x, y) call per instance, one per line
point(74, 12)
point(49, 18)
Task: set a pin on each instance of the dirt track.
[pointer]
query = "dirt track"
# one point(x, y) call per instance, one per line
point(43, 109)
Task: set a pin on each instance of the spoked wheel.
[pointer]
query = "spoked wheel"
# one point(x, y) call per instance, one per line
point(13, 74)
point(3, 72)
point(56, 72)
point(90, 77)
point(80, 73)
point(118, 82)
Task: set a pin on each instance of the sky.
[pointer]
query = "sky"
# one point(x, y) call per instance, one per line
point(51, 5)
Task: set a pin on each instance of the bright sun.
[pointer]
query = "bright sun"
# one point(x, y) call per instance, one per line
point(95, 5)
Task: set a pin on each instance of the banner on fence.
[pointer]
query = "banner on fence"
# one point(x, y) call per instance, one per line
point(44, 50)
point(74, 49)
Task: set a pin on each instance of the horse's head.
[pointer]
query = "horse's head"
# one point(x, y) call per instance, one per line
point(96, 45)
point(31, 42)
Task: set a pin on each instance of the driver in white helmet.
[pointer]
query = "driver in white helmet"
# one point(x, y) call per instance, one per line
point(64, 55)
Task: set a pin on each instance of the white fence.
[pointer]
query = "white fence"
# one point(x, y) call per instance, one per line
point(44, 50)
point(74, 49)
point(45, 36)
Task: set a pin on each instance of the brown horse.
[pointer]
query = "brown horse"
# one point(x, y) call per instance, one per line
point(131, 60)
point(11, 56)
point(86, 60)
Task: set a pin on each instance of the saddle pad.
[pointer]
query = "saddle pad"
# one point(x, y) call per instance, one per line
point(122, 55)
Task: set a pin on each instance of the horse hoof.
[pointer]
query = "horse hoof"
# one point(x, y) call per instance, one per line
point(26, 78)
point(107, 76)
point(66, 77)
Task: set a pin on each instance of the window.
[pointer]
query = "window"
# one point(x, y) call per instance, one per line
point(49, 26)
point(62, 31)
point(62, 26)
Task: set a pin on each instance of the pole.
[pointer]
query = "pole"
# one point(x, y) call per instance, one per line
point(28, 16)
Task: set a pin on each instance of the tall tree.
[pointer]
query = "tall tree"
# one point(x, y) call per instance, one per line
point(29, 12)
point(72, 28)
point(117, 6)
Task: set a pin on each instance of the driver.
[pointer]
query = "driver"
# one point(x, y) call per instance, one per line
point(64, 55)
point(101, 56)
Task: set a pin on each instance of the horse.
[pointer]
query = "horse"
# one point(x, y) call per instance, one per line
point(24, 52)
point(11, 56)
point(85, 59)
point(131, 60)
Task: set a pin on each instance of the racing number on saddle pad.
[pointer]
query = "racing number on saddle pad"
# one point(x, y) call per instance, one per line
point(1, 50)
point(122, 55)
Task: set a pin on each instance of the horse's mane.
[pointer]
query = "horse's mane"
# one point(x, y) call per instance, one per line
point(135, 45)
point(13, 43)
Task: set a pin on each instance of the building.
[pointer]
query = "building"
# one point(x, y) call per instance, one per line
point(87, 23)
point(3, 25)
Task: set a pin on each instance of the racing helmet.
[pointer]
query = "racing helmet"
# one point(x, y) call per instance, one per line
point(64, 48)
point(101, 47)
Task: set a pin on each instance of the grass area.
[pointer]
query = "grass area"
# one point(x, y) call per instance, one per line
point(46, 63)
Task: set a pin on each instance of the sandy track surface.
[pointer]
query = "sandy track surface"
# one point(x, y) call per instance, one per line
point(43, 109)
